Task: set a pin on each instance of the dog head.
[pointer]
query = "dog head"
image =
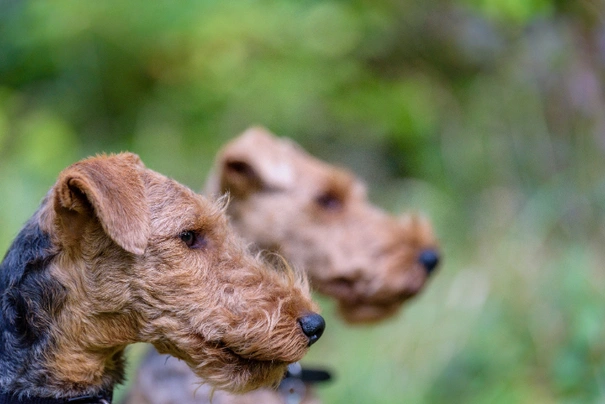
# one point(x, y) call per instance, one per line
point(319, 217)
point(140, 257)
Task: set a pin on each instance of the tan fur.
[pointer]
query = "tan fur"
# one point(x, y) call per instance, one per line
point(129, 277)
point(319, 218)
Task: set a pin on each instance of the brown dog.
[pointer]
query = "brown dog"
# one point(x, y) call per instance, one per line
point(118, 254)
point(319, 218)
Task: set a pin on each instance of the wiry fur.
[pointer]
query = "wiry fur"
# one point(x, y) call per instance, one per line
point(319, 218)
point(102, 264)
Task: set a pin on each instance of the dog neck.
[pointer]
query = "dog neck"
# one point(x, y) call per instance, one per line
point(34, 362)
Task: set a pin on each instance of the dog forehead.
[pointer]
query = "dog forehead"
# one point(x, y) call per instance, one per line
point(174, 207)
point(315, 174)
point(319, 180)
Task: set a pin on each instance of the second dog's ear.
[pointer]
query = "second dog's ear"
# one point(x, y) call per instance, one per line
point(252, 162)
point(239, 177)
point(110, 189)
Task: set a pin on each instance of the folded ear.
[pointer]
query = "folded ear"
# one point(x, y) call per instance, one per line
point(109, 189)
point(254, 161)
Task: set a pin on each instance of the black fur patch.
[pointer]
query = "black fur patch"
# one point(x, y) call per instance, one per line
point(30, 297)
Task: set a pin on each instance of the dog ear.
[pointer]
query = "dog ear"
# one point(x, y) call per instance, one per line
point(110, 189)
point(252, 162)
point(240, 176)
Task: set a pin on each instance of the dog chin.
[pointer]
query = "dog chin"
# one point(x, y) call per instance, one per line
point(367, 313)
point(223, 368)
point(260, 374)
point(356, 308)
point(242, 375)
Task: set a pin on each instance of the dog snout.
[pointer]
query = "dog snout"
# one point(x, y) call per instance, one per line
point(429, 259)
point(312, 326)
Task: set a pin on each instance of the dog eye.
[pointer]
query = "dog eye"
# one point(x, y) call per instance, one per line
point(193, 239)
point(329, 201)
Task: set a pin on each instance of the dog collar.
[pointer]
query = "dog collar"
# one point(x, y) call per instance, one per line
point(293, 388)
point(101, 398)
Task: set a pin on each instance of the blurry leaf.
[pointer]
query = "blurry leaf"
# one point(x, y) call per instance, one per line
point(330, 29)
point(517, 10)
point(46, 144)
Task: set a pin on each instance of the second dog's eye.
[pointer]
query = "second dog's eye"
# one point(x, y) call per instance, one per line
point(192, 239)
point(329, 201)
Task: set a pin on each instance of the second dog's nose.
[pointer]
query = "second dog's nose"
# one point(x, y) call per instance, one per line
point(313, 326)
point(429, 260)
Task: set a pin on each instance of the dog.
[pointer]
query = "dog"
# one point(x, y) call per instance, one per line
point(118, 254)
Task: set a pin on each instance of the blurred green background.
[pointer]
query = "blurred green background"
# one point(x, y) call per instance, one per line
point(487, 115)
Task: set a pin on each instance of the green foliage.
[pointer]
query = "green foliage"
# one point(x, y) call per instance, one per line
point(486, 115)
point(519, 11)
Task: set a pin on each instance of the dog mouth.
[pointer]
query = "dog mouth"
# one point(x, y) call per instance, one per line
point(246, 360)
point(355, 306)
point(367, 313)
point(227, 354)
point(352, 293)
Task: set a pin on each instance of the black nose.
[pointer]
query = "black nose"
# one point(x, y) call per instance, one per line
point(429, 260)
point(313, 326)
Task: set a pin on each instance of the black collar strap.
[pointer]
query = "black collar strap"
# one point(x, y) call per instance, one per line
point(294, 387)
point(101, 398)
point(307, 375)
